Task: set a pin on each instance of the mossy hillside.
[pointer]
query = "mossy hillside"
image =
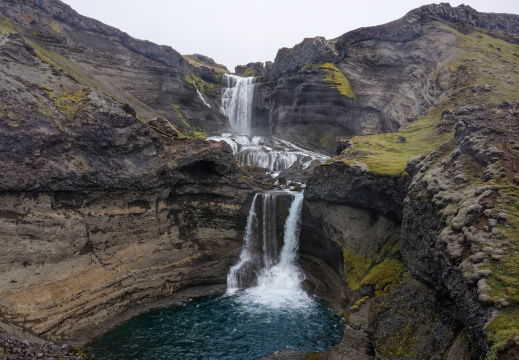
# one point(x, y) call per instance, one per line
point(194, 61)
point(503, 331)
point(68, 102)
point(384, 156)
point(337, 80)
point(189, 132)
point(504, 280)
point(384, 275)
point(61, 64)
point(482, 60)
point(206, 88)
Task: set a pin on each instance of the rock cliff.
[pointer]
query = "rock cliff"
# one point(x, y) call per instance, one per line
point(154, 79)
point(433, 273)
point(105, 211)
point(371, 80)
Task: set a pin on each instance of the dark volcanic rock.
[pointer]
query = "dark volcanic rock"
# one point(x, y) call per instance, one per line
point(342, 184)
point(149, 77)
point(104, 215)
point(251, 69)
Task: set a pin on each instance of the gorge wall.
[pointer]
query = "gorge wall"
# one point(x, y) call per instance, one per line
point(367, 81)
point(105, 211)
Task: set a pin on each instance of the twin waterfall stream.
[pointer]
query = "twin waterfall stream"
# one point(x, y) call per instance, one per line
point(264, 262)
point(264, 309)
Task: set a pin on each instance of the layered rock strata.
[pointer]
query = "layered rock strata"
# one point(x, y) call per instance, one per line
point(433, 280)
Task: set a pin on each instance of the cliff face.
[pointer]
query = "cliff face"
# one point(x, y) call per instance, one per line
point(155, 80)
point(368, 81)
point(432, 274)
point(104, 214)
point(446, 263)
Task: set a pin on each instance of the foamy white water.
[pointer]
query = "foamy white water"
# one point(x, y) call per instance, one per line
point(279, 281)
point(270, 153)
point(240, 271)
point(237, 101)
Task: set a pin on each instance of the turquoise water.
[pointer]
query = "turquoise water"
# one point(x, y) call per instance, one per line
point(232, 326)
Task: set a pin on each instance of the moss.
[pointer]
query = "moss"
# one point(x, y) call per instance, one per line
point(480, 62)
point(68, 102)
point(194, 61)
point(346, 317)
point(359, 303)
point(384, 156)
point(55, 28)
point(206, 88)
point(356, 266)
point(384, 276)
point(6, 27)
point(504, 329)
point(327, 140)
point(181, 117)
point(337, 80)
point(249, 72)
point(73, 70)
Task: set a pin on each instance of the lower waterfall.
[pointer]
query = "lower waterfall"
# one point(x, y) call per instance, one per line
point(272, 274)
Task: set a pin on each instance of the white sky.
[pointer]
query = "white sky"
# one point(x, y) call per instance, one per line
point(235, 32)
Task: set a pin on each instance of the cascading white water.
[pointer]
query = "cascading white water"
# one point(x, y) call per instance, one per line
point(270, 153)
point(240, 271)
point(200, 95)
point(237, 101)
point(279, 277)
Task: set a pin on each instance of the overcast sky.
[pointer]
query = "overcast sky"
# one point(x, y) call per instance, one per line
point(235, 32)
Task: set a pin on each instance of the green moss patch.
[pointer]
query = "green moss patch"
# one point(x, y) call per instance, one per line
point(337, 80)
point(381, 271)
point(484, 59)
point(504, 329)
point(194, 61)
point(356, 266)
point(6, 27)
point(384, 156)
point(68, 102)
point(384, 275)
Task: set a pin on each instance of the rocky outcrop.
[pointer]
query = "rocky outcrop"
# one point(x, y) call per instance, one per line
point(395, 72)
point(103, 214)
point(251, 69)
point(150, 78)
point(453, 236)
point(406, 29)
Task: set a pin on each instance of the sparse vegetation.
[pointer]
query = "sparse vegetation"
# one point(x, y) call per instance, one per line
point(337, 80)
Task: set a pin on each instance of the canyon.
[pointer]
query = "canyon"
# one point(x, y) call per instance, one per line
point(113, 201)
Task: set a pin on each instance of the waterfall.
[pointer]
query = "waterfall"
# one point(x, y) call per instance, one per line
point(286, 275)
point(200, 95)
point(242, 270)
point(270, 153)
point(274, 275)
point(237, 101)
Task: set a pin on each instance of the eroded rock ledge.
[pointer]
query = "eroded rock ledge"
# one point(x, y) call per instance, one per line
point(432, 280)
point(102, 215)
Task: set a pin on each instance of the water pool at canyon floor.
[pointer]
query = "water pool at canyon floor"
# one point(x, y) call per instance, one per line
point(243, 325)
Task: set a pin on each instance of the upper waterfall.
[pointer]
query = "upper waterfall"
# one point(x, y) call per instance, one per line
point(237, 101)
